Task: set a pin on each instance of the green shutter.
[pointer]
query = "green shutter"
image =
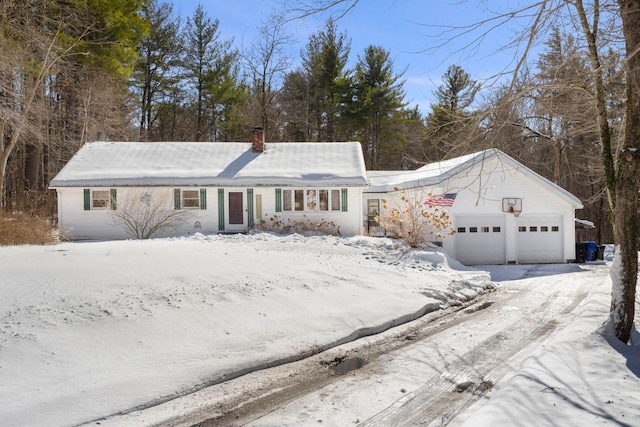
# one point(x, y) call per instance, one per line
point(344, 200)
point(250, 207)
point(87, 199)
point(220, 209)
point(176, 198)
point(203, 198)
point(113, 196)
point(278, 200)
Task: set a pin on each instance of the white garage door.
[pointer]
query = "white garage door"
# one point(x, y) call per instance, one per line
point(539, 240)
point(480, 240)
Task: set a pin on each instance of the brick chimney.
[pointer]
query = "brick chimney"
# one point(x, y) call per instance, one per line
point(258, 140)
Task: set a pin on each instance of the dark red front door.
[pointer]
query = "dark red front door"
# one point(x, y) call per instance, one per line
point(236, 214)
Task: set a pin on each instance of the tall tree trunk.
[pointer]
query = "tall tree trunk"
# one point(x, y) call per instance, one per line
point(591, 34)
point(626, 212)
point(33, 155)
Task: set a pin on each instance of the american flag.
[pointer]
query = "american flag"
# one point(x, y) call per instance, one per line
point(441, 200)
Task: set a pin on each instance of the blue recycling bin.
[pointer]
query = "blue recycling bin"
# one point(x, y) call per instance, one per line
point(591, 251)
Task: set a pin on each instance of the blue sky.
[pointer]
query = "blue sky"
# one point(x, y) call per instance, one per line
point(406, 28)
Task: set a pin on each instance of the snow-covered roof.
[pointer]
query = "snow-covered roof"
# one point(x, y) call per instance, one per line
point(584, 223)
point(436, 173)
point(428, 175)
point(229, 164)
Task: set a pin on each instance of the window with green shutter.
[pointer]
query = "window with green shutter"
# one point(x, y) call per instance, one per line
point(221, 209)
point(203, 198)
point(176, 198)
point(250, 217)
point(113, 194)
point(87, 199)
point(278, 200)
point(344, 200)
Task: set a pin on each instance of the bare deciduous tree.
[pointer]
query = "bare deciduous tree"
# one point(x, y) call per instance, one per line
point(143, 213)
point(267, 65)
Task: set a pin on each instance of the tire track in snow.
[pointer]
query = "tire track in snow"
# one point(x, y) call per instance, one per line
point(471, 376)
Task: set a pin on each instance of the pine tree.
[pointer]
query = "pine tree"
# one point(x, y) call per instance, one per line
point(376, 106)
point(155, 72)
point(451, 127)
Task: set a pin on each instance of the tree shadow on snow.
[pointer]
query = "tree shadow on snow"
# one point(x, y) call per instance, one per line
point(504, 273)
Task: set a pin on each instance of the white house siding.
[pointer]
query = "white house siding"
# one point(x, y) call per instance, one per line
point(99, 224)
point(349, 222)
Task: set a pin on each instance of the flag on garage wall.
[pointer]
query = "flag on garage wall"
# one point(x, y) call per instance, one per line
point(445, 200)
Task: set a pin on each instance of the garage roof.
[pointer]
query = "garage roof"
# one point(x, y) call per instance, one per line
point(434, 174)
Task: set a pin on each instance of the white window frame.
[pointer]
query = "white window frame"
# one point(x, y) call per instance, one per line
point(187, 202)
point(311, 200)
point(99, 202)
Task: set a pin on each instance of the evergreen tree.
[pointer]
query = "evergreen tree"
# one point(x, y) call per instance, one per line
point(210, 68)
point(451, 127)
point(377, 107)
point(155, 72)
point(295, 102)
point(324, 62)
point(63, 62)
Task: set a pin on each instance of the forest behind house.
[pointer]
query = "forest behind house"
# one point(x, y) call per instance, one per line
point(134, 70)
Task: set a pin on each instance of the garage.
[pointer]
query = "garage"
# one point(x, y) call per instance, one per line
point(539, 240)
point(480, 239)
point(501, 211)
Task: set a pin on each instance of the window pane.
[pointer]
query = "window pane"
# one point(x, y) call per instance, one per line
point(485, 229)
point(533, 228)
point(522, 229)
point(286, 200)
point(100, 199)
point(299, 199)
point(311, 200)
point(335, 200)
point(462, 229)
point(496, 229)
point(555, 228)
point(324, 199)
point(473, 229)
point(190, 199)
point(544, 228)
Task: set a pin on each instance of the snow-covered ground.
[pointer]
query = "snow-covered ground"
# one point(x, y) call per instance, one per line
point(92, 329)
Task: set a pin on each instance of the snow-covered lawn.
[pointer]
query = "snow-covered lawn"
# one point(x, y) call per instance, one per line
point(92, 329)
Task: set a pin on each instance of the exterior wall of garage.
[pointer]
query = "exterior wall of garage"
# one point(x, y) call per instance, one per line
point(481, 190)
point(485, 234)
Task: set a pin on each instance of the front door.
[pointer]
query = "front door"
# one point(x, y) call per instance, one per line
point(236, 210)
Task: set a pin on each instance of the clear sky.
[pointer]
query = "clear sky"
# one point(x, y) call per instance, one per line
point(408, 29)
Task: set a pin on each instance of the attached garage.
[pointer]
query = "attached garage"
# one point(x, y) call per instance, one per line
point(539, 240)
point(501, 211)
point(480, 240)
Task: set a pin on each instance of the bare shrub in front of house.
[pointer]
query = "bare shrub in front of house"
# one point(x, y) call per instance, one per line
point(142, 213)
point(304, 225)
point(414, 222)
